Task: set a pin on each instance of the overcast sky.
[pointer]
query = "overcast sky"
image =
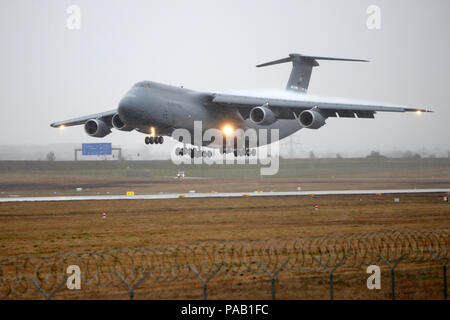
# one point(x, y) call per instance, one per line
point(50, 73)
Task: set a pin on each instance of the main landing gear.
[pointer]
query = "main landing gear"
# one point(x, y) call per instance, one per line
point(154, 140)
point(247, 152)
point(198, 153)
point(193, 152)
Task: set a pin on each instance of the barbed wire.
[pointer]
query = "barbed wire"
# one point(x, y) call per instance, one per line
point(25, 276)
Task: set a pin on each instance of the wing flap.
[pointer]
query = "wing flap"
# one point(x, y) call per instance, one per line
point(365, 114)
point(346, 113)
point(329, 113)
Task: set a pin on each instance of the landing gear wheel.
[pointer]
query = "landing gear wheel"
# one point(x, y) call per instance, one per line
point(154, 140)
point(180, 152)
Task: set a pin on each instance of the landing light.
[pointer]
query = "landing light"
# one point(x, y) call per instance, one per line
point(61, 127)
point(152, 131)
point(419, 112)
point(227, 130)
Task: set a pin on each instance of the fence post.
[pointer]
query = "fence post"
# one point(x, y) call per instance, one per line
point(272, 276)
point(131, 288)
point(392, 267)
point(205, 282)
point(444, 272)
point(44, 293)
point(330, 273)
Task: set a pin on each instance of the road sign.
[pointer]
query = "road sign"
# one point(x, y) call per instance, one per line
point(91, 149)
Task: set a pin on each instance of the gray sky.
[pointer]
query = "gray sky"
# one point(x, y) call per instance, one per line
point(51, 73)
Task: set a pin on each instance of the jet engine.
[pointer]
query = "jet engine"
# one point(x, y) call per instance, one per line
point(96, 128)
point(119, 124)
point(311, 119)
point(262, 115)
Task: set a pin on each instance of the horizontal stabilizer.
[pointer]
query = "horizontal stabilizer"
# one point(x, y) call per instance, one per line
point(292, 56)
point(301, 69)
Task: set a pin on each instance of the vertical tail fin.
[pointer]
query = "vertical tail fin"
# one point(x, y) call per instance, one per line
point(302, 69)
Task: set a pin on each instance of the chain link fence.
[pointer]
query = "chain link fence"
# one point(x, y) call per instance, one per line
point(186, 270)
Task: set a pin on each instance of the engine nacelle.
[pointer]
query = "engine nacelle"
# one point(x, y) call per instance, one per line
point(311, 119)
point(119, 124)
point(96, 128)
point(262, 115)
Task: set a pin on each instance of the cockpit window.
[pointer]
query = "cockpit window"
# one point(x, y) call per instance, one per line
point(143, 84)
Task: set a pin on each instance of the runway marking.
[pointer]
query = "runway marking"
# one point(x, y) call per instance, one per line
point(221, 195)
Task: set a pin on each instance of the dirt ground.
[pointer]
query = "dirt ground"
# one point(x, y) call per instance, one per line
point(48, 227)
point(44, 228)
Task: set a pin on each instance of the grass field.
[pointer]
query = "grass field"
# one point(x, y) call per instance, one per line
point(39, 178)
point(299, 168)
point(45, 228)
point(49, 227)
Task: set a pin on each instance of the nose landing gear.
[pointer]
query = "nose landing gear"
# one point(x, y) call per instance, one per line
point(154, 140)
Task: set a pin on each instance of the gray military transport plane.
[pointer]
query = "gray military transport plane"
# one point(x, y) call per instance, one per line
point(157, 109)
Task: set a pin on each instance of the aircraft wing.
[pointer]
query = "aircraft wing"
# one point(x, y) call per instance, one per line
point(331, 107)
point(105, 116)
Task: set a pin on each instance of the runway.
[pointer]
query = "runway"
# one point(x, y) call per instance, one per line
point(221, 195)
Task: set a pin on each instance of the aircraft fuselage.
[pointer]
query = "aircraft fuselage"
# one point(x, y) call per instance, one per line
point(166, 108)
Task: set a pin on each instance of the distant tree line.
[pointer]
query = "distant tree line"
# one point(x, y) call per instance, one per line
point(406, 155)
point(50, 156)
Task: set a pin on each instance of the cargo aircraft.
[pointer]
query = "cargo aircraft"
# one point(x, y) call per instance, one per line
point(157, 109)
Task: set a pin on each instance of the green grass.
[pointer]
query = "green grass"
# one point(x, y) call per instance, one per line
point(289, 168)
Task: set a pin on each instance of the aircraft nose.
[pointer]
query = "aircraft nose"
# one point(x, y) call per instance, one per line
point(127, 108)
